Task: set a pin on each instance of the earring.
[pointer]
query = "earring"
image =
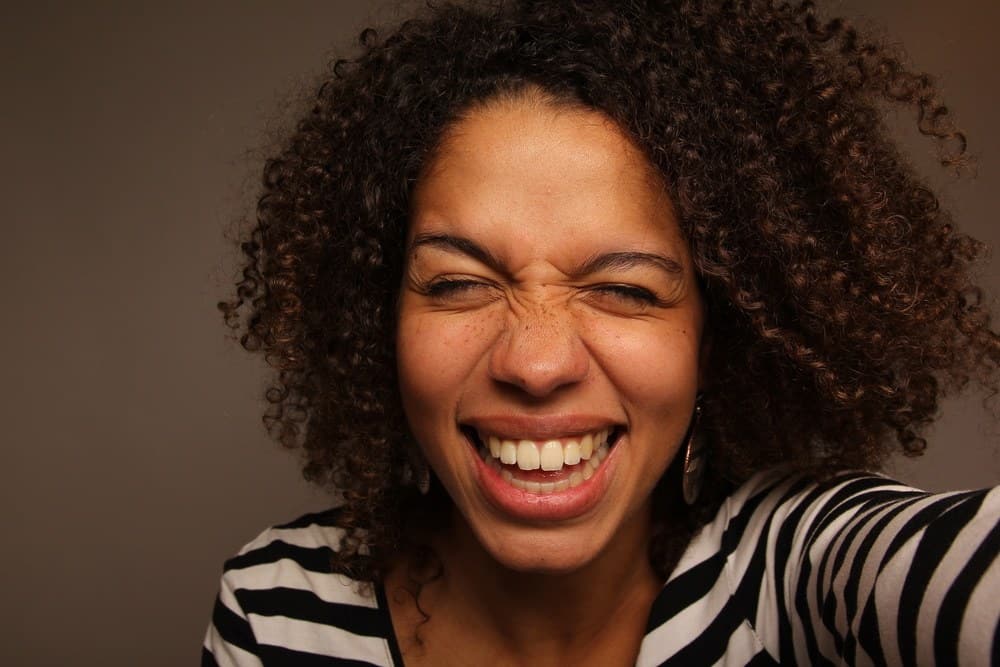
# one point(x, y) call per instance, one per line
point(423, 475)
point(417, 472)
point(694, 460)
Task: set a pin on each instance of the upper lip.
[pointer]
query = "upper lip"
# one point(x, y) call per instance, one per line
point(538, 427)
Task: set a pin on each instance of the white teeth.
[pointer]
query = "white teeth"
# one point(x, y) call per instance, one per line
point(551, 456)
point(508, 453)
point(571, 453)
point(586, 453)
point(527, 455)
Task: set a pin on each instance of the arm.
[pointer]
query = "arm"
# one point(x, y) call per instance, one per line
point(230, 641)
point(874, 572)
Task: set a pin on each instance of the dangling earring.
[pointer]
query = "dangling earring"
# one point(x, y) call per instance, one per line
point(417, 472)
point(694, 460)
point(423, 475)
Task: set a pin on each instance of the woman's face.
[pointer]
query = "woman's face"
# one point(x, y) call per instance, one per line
point(550, 332)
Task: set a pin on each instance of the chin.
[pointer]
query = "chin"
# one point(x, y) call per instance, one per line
point(542, 551)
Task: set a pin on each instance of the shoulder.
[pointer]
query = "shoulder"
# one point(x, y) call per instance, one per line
point(294, 560)
point(280, 596)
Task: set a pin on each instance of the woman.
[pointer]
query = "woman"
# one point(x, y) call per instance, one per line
point(584, 310)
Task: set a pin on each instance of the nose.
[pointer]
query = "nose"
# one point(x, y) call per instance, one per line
point(539, 352)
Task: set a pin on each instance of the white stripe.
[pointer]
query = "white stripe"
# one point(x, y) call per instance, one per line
point(228, 598)
point(320, 639)
point(311, 537)
point(286, 573)
point(869, 576)
point(975, 639)
point(948, 568)
point(866, 578)
point(226, 654)
point(743, 644)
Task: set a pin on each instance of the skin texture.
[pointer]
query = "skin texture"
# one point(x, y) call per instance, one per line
point(544, 190)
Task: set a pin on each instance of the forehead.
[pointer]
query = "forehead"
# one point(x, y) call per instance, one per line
point(529, 175)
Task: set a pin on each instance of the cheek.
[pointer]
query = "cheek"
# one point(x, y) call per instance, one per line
point(437, 353)
point(649, 362)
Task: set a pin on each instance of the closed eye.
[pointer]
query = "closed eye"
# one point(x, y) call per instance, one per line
point(451, 287)
point(630, 293)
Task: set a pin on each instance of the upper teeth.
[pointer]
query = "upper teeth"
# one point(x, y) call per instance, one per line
point(546, 454)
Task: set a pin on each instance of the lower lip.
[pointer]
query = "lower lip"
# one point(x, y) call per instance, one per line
point(556, 506)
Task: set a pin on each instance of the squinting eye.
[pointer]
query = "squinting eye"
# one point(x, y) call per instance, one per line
point(443, 288)
point(630, 293)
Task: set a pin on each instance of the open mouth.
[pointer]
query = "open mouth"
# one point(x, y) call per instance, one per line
point(545, 466)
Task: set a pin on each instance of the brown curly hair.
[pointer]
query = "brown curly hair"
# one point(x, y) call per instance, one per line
point(839, 297)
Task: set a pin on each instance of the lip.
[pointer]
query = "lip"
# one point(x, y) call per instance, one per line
point(557, 506)
point(539, 427)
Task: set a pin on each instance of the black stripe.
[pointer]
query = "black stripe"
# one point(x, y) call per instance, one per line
point(387, 631)
point(829, 603)
point(763, 659)
point(937, 508)
point(783, 547)
point(327, 518)
point(995, 649)
point(232, 628)
point(873, 503)
point(747, 593)
point(934, 544)
point(314, 559)
point(862, 555)
point(850, 485)
point(207, 659)
point(953, 605)
point(681, 592)
point(847, 498)
point(711, 643)
point(304, 605)
point(280, 656)
point(869, 634)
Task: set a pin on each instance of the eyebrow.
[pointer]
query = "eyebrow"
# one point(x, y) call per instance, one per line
point(622, 260)
point(629, 260)
point(461, 245)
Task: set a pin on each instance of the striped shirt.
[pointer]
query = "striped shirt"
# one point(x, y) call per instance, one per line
point(857, 570)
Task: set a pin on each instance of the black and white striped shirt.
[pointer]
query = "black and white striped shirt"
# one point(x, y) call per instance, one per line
point(857, 570)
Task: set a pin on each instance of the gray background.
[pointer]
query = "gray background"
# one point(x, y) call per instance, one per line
point(133, 460)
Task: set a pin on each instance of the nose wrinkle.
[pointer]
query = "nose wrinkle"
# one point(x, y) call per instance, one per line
point(539, 352)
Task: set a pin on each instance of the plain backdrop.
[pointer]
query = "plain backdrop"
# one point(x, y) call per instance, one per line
point(133, 458)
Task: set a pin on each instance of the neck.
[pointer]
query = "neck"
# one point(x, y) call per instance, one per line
point(556, 618)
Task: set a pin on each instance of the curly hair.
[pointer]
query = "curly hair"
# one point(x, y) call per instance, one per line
point(839, 294)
